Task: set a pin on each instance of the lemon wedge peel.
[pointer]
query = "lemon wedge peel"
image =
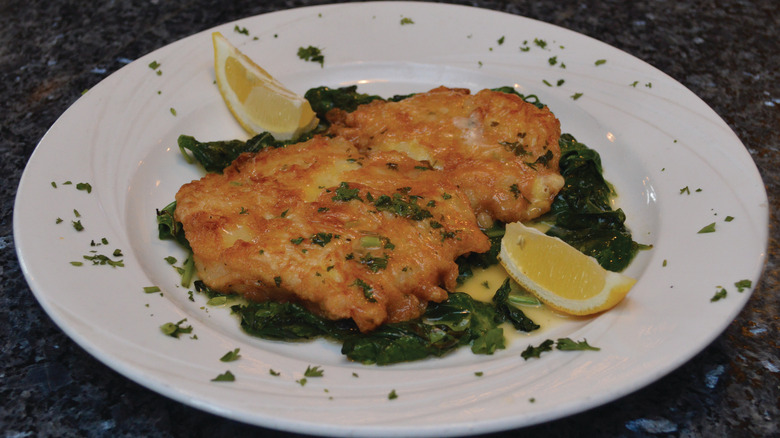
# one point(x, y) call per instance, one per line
point(558, 274)
point(258, 101)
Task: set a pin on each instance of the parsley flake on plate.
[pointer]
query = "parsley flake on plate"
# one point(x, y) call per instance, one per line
point(227, 376)
point(719, 295)
point(231, 356)
point(311, 54)
point(313, 371)
point(741, 285)
point(174, 330)
point(707, 229)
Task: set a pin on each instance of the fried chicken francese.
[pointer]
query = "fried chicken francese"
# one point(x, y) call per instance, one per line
point(372, 238)
point(500, 150)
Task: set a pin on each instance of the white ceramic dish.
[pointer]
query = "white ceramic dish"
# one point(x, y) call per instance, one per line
point(655, 138)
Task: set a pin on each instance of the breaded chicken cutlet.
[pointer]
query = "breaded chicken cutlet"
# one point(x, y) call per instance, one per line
point(500, 150)
point(371, 238)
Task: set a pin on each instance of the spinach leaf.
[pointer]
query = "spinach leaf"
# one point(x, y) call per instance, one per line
point(400, 342)
point(582, 214)
point(214, 156)
point(169, 228)
point(324, 99)
point(459, 320)
point(510, 313)
point(289, 322)
point(467, 263)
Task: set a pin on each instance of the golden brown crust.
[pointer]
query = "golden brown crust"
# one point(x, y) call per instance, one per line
point(500, 150)
point(280, 225)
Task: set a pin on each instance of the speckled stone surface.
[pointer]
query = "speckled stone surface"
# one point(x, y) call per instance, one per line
point(725, 51)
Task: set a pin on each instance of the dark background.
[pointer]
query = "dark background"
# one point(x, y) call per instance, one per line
point(726, 51)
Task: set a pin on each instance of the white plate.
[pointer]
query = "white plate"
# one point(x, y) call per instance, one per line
point(655, 138)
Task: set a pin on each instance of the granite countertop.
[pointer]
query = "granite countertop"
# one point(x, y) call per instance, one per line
point(725, 51)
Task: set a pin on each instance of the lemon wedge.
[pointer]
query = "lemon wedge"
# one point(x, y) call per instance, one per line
point(558, 274)
point(259, 102)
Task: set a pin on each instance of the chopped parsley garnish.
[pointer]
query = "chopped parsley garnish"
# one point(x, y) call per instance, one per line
point(227, 376)
point(707, 229)
point(278, 281)
point(446, 196)
point(719, 295)
point(297, 240)
point(563, 344)
point(367, 290)
point(174, 330)
point(404, 206)
point(543, 159)
point(500, 41)
point(576, 96)
point(346, 194)
point(77, 225)
point(406, 20)
point(515, 190)
point(154, 65)
point(743, 284)
point(600, 61)
point(392, 395)
point(241, 30)
point(100, 259)
point(515, 147)
point(553, 60)
point(685, 190)
point(447, 235)
point(566, 344)
point(532, 351)
point(151, 289)
point(312, 54)
point(315, 371)
point(173, 110)
point(230, 356)
point(274, 373)
point(171, 260)
point(321, 239)
point(87, 187)
point(374, 263)
point(728, 219)
point(540, 43)
point(59, 220)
